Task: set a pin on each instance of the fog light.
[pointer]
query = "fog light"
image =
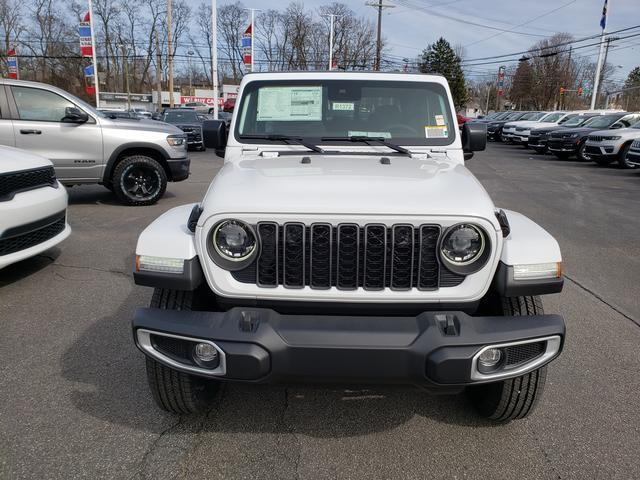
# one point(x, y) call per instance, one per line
point(489, 358)
point(205, 352)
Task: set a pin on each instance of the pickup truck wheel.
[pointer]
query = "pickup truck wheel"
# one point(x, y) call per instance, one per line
point(622, 157)
point(174, 391)
point(517, 397)
point(139, 180)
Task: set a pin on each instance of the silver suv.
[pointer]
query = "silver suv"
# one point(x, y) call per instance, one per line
point(134, 158)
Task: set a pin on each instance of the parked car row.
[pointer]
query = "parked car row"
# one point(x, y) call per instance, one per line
point(601, 136)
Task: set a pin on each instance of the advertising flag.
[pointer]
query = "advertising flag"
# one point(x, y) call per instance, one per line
point(501, 73)
point(247, 38)
point(603, 20)
point(84, 32)
point(12, 63)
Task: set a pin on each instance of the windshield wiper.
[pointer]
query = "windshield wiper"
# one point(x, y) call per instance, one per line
point(284, 138)
point(367, 140)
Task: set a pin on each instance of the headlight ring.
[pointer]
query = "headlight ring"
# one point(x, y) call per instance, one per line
point(232, 244)
point(464, 248)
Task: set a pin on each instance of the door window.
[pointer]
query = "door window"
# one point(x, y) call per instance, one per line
point(40, 105)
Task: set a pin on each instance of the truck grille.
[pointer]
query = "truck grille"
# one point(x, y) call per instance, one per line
point(14, 182)
point(348, 256)
point(596, 138)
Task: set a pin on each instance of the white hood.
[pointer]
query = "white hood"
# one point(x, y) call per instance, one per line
point(15, 159)
point(347, 184)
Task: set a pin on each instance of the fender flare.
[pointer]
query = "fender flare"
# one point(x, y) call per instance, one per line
point(169, 236)
point(110, 165)
point(527, 243)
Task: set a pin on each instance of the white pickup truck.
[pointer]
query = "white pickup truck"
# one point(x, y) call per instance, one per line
point(344, 240)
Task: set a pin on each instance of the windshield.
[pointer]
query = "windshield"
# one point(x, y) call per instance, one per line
point(531, 116)
point(602, 121)
point(534, 116)
point(551, 117)
point(577, 120)
point(409, 113)
point(189, 116)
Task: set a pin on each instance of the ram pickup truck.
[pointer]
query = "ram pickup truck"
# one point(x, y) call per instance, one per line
point(132, 157)
point(344, 240)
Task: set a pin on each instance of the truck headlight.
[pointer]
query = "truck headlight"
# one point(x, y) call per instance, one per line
point(463, 248)
point(177, 140)
point(233, 244)
point(614, 137)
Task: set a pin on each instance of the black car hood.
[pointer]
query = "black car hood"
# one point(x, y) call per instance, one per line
point(542, 131)
point(187, 125)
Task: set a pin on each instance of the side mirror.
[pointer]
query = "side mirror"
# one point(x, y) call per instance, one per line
point(74, 115)
point(474, 138)
point(214, 133)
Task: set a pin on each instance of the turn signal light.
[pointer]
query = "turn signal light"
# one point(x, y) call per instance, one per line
point(537, 271)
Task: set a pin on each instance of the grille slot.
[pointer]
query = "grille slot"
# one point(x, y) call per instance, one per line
point(14, 182)
point(294, 255)
point(402, 257)
point(348, 256)
point(321, 255)
point(347, 266)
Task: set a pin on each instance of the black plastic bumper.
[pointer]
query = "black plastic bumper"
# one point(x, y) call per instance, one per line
point(433, 349)
point(179, 168)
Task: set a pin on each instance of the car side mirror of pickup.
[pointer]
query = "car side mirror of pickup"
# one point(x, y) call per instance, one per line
point(474, 138)
point(214, 133)
point(74, 115)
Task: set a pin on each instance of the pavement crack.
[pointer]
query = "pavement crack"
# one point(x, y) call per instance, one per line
point(141, 464)
point(82, 267)
point(291, 430)
point(602, 300)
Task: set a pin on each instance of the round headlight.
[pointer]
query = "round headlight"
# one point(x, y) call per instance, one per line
point(464, 248)
point(233, 241)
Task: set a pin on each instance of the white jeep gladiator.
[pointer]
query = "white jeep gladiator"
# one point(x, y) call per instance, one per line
point(344, 240)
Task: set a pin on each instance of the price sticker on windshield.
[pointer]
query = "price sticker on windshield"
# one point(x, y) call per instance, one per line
point(436, 131)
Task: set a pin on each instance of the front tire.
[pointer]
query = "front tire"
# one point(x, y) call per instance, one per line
point(517, 397)
point(139, 180)
point(174, 391)
point(622, 157)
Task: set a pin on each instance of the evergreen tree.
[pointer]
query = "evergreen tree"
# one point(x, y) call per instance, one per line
point(631, 98)
point(441, 58)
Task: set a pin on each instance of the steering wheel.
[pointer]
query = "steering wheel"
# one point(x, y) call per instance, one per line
point(402, 127)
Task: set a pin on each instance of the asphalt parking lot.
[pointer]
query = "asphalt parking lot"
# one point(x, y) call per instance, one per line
point(74, 401)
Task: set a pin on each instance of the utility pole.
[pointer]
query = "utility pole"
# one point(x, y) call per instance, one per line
point(379, 6)
point(214, 57)
point(486, 108)
point(125, 69)
point(190, 53)
point(332, 18)
point(170, 51)
point(96, 82)
point(596, 80)
point(158, 72)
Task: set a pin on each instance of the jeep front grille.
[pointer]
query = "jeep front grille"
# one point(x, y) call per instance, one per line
point(348, 256)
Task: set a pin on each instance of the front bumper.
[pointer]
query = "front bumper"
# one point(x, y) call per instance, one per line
point(179, 168)
point(433, 349)
point(601, 151)
point(564, 146)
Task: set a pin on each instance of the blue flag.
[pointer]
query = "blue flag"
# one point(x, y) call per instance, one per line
point(88, 71)
point(603, 20)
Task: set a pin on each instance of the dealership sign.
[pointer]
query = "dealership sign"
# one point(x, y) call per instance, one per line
point(206, 100)
point(12, 63)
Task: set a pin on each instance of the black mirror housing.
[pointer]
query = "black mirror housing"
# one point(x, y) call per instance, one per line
point(214, 133)
point(474, 137)
point(74, 115)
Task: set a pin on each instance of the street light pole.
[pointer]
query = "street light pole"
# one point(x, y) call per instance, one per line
point(169, 52)
point(214, 57)
point(126, 73)
point(189, 54)
point(332, 18)
point(596, 80)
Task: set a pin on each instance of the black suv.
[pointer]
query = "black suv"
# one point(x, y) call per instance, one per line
point(187, 120)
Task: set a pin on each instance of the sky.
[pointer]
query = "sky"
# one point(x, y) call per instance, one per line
point(411, 25)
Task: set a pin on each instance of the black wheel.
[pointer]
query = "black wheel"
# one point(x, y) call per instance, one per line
point(622, 157)
point(517, 397)
point(174, 391)
point(139, 180)
point(580, 153)
point(202, 148)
